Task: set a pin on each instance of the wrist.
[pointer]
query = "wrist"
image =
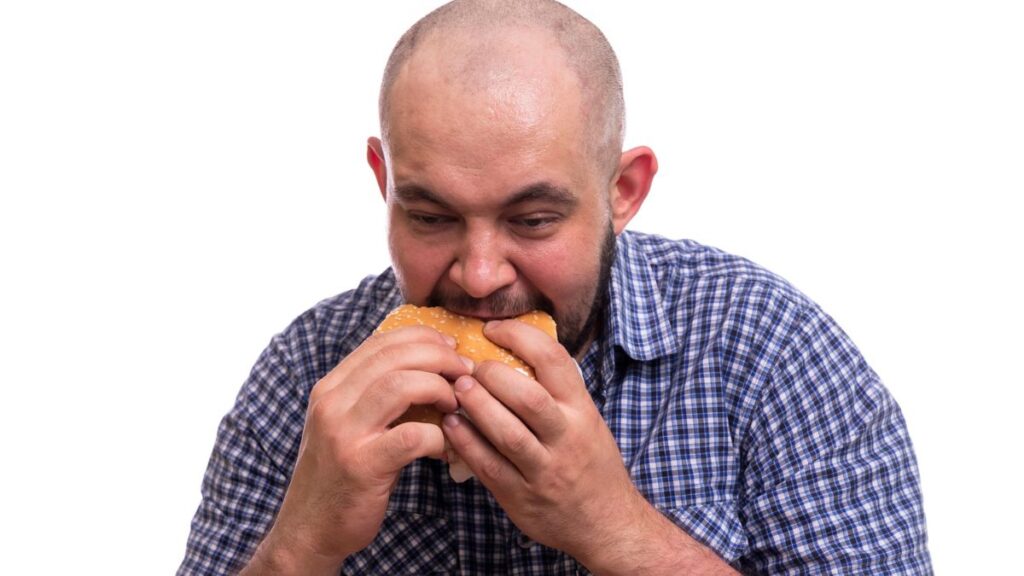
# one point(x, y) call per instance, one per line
point(281, 553)
point(644, 541)
point(617, 552)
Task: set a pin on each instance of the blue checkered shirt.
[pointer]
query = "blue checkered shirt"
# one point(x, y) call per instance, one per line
point(743, 413)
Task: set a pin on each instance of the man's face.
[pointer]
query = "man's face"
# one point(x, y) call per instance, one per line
point(494, 208)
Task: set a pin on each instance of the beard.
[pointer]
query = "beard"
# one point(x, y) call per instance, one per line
point(577, 325)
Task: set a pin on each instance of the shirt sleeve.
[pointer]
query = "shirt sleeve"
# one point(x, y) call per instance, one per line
point(833, 486)
point(248, 471)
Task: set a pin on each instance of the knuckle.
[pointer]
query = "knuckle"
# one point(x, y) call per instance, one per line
point(492, 469)
point(553, 356)
point(485, 368)
point(319, 410)
point(384, 355)
point(388, 385)
point(373, 399)
point(517, 441)
point(318, 392)
point(407, 438)
point(536, 402)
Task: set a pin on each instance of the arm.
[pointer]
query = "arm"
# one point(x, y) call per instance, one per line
point(833, 455)
point(348, 460)
point(245, 479)
point(547, 456)
point(278, 554)
point(654, 545)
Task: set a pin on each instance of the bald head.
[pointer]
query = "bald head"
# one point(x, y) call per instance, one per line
point(493, 50)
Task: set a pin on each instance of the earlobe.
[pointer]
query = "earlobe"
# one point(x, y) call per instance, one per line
point(375, 158)
point(637, 168)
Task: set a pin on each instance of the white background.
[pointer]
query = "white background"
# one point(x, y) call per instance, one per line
point(180, 180)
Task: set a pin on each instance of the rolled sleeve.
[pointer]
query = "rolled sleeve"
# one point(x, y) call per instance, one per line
point(837, 487)
point(247, 475)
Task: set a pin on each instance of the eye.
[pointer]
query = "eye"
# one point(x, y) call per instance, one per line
point(535, 223)
point(428, 220)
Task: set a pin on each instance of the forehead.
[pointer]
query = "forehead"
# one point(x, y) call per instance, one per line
point(512, 116)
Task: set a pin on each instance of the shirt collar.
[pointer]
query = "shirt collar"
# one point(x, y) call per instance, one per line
point(638, 313)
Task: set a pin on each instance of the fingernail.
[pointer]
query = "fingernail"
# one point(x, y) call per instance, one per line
point(450, 340)
point(469, 363)
point(492, 324)
point(450, 420)
point(464, 383)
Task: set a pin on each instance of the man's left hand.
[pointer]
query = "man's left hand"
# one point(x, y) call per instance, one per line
point(541, 446)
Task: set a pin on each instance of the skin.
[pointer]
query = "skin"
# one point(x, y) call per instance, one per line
point(349, 459)
point(463, 234)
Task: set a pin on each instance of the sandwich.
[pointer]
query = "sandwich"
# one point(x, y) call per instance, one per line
point(469, 342)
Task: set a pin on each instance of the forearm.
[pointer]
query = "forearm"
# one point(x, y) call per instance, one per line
point(279, 555)
point(652, 544)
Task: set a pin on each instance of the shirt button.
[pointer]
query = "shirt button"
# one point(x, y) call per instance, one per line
point(524, 541)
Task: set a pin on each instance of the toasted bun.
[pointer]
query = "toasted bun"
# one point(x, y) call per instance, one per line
point(470, 342)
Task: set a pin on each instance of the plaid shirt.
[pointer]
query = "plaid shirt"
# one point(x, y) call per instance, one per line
point(743, 413)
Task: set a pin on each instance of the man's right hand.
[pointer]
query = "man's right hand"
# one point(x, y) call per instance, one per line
point(349, 459)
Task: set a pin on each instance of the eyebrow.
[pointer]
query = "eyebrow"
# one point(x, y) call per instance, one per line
point(407, 193)
point(543, 192)
point(536, 192)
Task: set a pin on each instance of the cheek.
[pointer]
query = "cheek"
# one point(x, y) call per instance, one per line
point(563, 271)
point(419, 266)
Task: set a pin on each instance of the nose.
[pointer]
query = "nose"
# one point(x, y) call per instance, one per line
point(482, 266)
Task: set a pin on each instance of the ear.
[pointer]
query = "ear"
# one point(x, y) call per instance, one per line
point(375, 158)
point(631, 184)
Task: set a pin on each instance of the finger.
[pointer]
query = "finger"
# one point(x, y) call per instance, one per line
point(396, 448)
point(487, 464)
point(393, 393)
point(415, 355)
point(372, 346)
point(503, 429)
point(525, 397)
point(555, 369)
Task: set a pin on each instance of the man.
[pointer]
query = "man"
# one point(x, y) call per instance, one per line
point(716, 421)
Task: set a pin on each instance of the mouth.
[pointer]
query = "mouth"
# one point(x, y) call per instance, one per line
point(500, 305)
point(484, 315)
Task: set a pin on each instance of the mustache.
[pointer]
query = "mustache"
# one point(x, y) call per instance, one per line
point(503, 303)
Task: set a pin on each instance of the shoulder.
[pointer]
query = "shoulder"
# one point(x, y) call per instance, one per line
point(320, 337)
point(690, 265)
point(355, 311)
point(313, 343)
point(272, 401)
point(699, 293)
point(722, 310)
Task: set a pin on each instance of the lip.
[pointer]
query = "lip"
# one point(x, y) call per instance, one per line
point(483, 316)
